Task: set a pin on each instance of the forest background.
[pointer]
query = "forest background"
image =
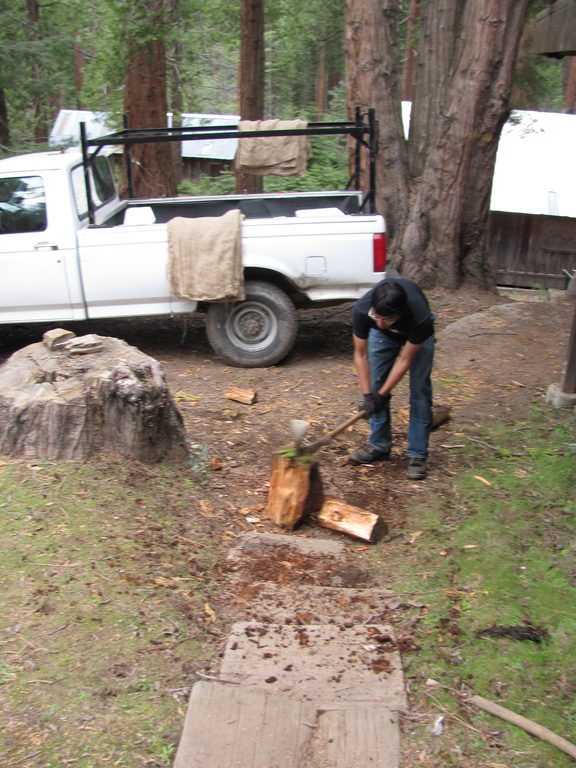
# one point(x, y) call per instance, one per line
point(69, 54)
point(464, 65)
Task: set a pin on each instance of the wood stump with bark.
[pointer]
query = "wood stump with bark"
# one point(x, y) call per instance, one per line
point(69, 397)
point(295, 491)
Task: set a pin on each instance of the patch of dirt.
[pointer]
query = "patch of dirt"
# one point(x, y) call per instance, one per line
point(497, 353)
point(284, 566)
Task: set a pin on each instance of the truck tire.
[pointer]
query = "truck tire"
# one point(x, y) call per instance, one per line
point(254, 333)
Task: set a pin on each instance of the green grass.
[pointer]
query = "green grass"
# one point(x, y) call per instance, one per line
point(103, 574)
point(500, 552)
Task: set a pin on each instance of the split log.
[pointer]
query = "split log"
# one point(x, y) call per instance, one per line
point(295, 491)
point(245, 396)
point(69, 397)
point(356, 522)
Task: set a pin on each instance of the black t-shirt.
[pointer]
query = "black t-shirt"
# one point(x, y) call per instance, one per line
point(416, 324)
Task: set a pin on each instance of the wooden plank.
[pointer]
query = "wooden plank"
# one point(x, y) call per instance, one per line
point(227, 726)
point(324, 662)
point(362, 736)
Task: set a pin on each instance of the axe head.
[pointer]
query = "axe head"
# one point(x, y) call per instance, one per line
point(298, 427)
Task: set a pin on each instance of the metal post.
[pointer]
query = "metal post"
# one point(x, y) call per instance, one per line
point(357, 171)
point(128, 162)
point(569, 380)
point(86, 167)
point(373, 139)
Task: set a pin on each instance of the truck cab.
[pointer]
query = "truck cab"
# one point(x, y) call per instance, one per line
point(42, 206)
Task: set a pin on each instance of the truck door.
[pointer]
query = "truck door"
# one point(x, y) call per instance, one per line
point(33, 282)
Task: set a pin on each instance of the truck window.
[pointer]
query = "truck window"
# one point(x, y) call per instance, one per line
point(22, 205)
point(101, 184)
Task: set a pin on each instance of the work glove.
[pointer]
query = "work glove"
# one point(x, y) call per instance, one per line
point(372, 404)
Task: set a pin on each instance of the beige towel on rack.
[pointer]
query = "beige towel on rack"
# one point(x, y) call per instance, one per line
point(205, 257)
point(273, 155)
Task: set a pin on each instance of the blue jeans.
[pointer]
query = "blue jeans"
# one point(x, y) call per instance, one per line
point(382, 353)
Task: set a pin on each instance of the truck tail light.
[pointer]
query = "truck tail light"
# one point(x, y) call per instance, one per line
point(379, 253)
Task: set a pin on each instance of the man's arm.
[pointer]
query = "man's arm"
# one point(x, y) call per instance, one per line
point(402, 364)
point(361, 363)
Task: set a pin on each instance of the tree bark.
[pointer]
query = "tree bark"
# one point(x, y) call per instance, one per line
point(145, 104)
point(435, 190)
point(79, 74)
point(373, 80)
point(87, 395)
point(40, 126)
point(410, 53)
point(570, 86)
point(251, 79)
point(4, 122)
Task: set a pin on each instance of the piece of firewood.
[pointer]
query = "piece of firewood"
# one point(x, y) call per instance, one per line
point(356, 522)
point(440, 414)
point(295, 491)
point(245, 396)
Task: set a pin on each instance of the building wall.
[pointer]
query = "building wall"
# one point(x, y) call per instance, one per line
point(532, 251)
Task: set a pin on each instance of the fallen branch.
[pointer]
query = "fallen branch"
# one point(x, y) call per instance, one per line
point(528, 725)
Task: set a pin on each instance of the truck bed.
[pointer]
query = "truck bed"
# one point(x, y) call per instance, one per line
point(265, 206)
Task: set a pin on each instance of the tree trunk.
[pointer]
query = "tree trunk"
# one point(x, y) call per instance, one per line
point(251, 80)
point(69, 397)
point(436, 195)
point(410, 52)
point(570, 86)
point(40, 127)
point(79, 74)
point(4, 122)
point(372, 80)
point(145, 104)
point(321, 81)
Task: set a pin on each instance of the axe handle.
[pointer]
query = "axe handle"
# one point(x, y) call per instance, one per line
point(323, 440)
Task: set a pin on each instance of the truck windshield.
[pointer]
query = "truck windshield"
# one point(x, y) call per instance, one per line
point(22, 205)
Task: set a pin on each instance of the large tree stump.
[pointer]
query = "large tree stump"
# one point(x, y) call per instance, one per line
point(68, 397)
point(295, 490)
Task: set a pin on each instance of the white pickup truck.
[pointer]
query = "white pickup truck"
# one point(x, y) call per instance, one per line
point(297, 250)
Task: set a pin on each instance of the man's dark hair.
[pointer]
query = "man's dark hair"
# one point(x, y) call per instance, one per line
point(389, 298)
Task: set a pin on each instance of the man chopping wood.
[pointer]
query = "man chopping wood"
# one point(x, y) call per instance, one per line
point(393, 332)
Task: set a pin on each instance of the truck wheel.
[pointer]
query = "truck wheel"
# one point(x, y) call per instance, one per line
point(256, 332)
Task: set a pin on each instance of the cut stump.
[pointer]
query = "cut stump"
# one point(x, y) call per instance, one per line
point(70, 397)
point(359, 523)
point(295, 491)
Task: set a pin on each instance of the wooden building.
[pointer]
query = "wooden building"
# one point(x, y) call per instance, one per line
point(533, 202)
